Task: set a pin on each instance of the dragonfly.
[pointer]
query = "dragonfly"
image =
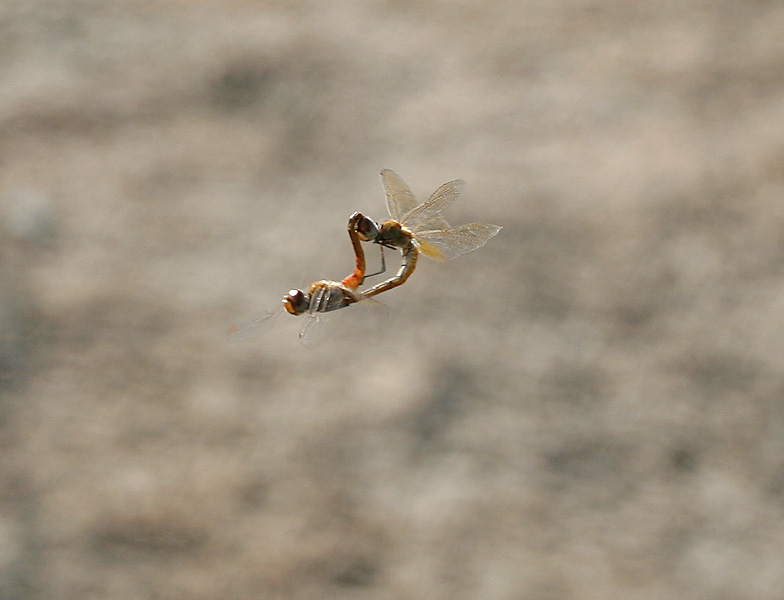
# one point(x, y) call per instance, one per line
point(322, 296)
point(415, 228)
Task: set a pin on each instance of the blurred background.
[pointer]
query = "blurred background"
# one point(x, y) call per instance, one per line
point(588, 407)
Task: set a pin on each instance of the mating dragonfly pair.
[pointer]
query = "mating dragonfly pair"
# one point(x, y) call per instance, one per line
point(411, 229)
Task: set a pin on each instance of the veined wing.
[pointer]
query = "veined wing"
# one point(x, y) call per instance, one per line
point(400, 199)
point(313, 331)
point(427, 216)
point(451, 243)
point(252, 328)
point(319, 326)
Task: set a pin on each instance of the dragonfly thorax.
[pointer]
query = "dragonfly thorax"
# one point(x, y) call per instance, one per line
point(392, 233)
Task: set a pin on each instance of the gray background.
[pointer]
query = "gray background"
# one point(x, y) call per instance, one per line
point(589, 407)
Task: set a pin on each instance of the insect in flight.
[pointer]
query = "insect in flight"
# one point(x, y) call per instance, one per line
point(321, 296)
point(416, 228)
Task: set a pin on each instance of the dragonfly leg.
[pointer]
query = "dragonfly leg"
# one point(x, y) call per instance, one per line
point(410, 255)
point(383, 263)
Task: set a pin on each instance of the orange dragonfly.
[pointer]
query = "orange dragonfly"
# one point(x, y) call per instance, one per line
point(321, 296)
point(416, 228)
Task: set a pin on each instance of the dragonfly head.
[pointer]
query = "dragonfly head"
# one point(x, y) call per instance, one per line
point(366, 229)
point(296, 302)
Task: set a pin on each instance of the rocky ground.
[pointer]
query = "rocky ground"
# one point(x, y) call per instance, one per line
point(590, 407)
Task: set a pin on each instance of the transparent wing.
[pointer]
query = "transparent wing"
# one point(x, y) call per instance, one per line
point(252, 327)
point(436, 222)
point(427, 216)
point(369, 320)
point(372, 306)
point(454, 242)
point(313, 331)
point(319, 326)
point(400, 200)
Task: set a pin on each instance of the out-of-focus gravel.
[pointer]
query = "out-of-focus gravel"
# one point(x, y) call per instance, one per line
point(590, 407)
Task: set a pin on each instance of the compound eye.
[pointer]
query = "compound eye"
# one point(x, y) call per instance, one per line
point(367, 229)
point(296, 302)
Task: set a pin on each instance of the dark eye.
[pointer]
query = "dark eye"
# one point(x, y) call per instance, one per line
point(295, 302)
point(367, 229)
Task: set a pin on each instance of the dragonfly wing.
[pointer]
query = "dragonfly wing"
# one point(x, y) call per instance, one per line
point(427, 216)
point(369, 319)
point(451, 243)
point(400, 200)
point(372, 305)
point(325, 296)
point(252, 328)
point(436, 222)
point(321, 326)
point(312, 332)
